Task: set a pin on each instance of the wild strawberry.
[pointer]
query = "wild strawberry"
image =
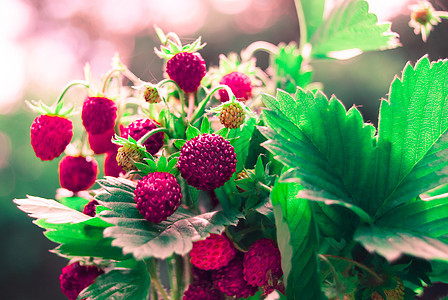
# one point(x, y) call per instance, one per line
point(157, 196)
point(187, 70)
point(262, 262)
point(213, 253)
point(232, 115)
point(128, 155)
point(98, 114)
point(202, 290)
point(111, 167)
point(139, 128)
point(50, 135)
point(76, 277)
point(151, 94)
point(102, 143)
point(397, 293)
point(230, 281)
point(240, 85)
point(90, 207)
point(199, 274)
point(207, 161)
point(77, 173)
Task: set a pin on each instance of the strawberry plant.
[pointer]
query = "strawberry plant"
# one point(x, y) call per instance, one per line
point(248, 183)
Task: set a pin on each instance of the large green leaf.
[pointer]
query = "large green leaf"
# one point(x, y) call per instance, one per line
point(297, 241)
point(413, 127)
point(313, 13)
point(349, 30)
point(120, 283)
point(144, 239)
point(241, 144)
point(331, 152)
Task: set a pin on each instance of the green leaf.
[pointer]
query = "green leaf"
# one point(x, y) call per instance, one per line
point(313, 12)
point(74, 202)
point(413, 127)
point(241, 143)
point(350, 30)
point(297, 240)
point(205, 125)
point(192, 132)
point(179, 143)
point(120, 283)
point(50, 210)
point(144, 239)
point(331, 152)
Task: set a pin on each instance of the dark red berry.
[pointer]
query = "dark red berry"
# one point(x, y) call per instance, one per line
point(213, 253)
point(77, 173)
point(187, 70)
point(102, 143)
point(98, 114)
point(75, 277)
point(202, 290)
point(139, 128)
point(262, 263)
point(230, 281)
point(50, 135)
point(240, 85)
point(157, 195)
point(111, 167)
point(207, 161)
point(90, 207)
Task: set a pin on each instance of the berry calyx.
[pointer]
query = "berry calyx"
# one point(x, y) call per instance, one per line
point(230, 281)
point(50, 135)
point(77, 173)
point(262, 263)
point(396, 293)
point(239, 83)
point(187, 70)
point(157, 195)
point(141, 127)
point(98, 114)
point(207, 161)
point(76, 277)
point(213, 253)
point(202, 290)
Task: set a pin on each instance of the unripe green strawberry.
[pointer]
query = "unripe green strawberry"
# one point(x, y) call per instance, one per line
point(232, 115)
point(127, 155)
point(396, 293)
point(151, 94)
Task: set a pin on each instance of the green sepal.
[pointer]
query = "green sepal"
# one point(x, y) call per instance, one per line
point(44, 109)
point(174, 46)
point(205, 126)
point(179, 143)
point(223, 132)
point(192, 132)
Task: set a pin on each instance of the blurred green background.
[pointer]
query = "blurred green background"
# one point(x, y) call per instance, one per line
point(46, 43)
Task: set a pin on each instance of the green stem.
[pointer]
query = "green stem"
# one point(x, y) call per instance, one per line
point(359, 265)
point(71, 84)
point(107, 78)
point(265, 187)
point(187, 270)
point(155, 295)
point(191, 101)
point(179, 90)
point(332, 269)
point(302, 24)
point(177, 288)
point(149, 134)
point(247, 53)
point(155, 282)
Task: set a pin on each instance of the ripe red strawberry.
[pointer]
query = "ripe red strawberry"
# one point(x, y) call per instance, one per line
point(262, 262)
point(232, 115)
point(50, 135)
point(240, 85)
point(77, 173)
point(139, 128)
point(90, 207)
point(213, 253)
point(187, 70)
point(230, 281)
point(98, 114)
point(75, 277)
point(202, 290)
point(111, 167)
point(157, 196)
point(207, 161)
point(397, 293)
point(102, 143)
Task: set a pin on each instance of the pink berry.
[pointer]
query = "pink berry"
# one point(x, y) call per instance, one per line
point(240, 85)
point(77, 173)
point(102, 143)
point(111, 167)
point(90, 208)
point(187, 70)
point(157, 195)
point(98, 114)
point(213, 253)
point(50, 135)
point(207, 161)
point(139, 128)
point(75, 277)
point(202, 290)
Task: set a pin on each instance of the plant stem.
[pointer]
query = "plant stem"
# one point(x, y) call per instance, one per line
point(191, 100)
point(178, 282)
point(332, 269)
point(155, 295)
point(71, 84)
point(302, 24)
point(108, 77)
point(187, 270)
point(179, 90)
point(265, 187)
point(155, 282)
point(150, 133)
point(247, 53)
point(359, 265)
